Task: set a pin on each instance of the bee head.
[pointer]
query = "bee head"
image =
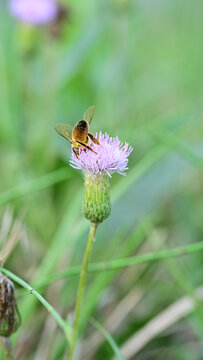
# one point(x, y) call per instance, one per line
point(82, 124)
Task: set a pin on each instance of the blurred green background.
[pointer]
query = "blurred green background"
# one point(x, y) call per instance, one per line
point(140, 64)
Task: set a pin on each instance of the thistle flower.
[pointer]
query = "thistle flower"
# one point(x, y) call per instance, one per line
point(34, 11)
point(9, 314)
point(111, 156)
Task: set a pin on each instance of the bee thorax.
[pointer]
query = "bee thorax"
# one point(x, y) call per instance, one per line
point(80, 131)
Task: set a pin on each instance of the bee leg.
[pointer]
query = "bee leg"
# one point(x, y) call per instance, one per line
point(76, 154)
point(94, 139)
point(86, 146)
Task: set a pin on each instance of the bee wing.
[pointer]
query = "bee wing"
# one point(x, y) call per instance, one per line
point(88, 114)
point(65, 131)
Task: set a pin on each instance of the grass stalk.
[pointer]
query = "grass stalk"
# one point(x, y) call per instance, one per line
point(125, 262)
point(63, 325)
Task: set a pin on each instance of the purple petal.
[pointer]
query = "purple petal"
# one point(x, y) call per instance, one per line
point(34, 11)
point(112, 156)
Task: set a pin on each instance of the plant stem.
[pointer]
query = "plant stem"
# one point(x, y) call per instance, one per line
point(81, 288)
point(64, 326)
point(6, 342)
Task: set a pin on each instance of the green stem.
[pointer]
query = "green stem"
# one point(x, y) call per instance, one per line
point(81, 288)
point(64, 326)
point(125, 262)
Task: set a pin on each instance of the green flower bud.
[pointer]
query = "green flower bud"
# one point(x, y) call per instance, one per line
point(97, 203)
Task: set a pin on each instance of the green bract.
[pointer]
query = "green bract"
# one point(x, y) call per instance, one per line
point(97, 204)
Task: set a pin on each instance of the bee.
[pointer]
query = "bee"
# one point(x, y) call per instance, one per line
point(79, 136)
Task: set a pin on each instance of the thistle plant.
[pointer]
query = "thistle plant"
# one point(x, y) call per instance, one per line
point(107, 155)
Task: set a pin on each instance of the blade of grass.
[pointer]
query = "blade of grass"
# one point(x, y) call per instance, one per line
point(183, 281)
point(172, 141)
point(125, 262)
point(179, 276)
point(34, 185)
point(109, 339)
point(172, 314)
point(63, 325)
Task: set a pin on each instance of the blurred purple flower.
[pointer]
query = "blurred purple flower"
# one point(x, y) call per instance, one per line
point(112, 156)
point(34, 11)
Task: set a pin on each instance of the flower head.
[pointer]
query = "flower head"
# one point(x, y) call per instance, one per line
point(111, 156)
point(34, 11)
